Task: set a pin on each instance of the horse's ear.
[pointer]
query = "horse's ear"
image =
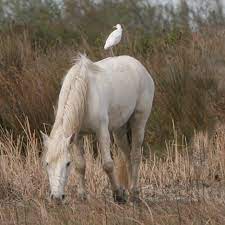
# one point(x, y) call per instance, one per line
point(70, 139)
point(44, 136)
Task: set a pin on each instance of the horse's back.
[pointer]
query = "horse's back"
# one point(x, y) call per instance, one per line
point(129, 77)
point(129, 68)
point(123, 87)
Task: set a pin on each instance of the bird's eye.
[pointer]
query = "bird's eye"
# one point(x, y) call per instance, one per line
point(68, 164)
point(46, 164)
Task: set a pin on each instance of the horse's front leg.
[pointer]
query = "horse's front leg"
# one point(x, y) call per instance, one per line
point(108, 165)
point(80, 167)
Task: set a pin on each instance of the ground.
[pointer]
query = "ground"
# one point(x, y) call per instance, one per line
point(185, 186)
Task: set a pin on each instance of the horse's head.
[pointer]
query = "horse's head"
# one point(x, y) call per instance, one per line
point(57, 160)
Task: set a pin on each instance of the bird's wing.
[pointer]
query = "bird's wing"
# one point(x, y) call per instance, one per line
point(113, 39)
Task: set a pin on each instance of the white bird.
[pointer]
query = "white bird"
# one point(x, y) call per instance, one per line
point(114, 38)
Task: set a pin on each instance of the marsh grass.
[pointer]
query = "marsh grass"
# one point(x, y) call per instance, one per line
point(185, 186)
point(188, 73)
point(182, 175)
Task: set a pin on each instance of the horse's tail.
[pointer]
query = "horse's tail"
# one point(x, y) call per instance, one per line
point(123, 172)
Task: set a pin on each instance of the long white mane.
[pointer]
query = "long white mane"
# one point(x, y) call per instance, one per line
point(72, 97)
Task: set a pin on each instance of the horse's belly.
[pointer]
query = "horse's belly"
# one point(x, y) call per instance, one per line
point(117, 118)
point(118, 114)
point(120, 111)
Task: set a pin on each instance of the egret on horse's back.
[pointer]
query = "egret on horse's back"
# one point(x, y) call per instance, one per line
point(114, 38)
point(99, 97)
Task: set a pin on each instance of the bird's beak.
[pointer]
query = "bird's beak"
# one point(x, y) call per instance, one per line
point(114, 26)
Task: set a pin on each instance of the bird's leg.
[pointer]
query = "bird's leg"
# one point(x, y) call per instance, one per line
point(112, 54)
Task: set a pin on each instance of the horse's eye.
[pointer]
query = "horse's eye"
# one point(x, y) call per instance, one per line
point(46, 164)
point(68, 164)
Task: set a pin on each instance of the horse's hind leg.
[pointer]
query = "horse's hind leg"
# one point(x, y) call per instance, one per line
point(121, 140)
point(137, 124)
point(107, 162)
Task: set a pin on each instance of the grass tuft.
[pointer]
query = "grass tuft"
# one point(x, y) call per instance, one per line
point(179, 188)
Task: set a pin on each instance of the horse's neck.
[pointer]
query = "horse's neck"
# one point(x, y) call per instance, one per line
point(57, 129)
point(72, 98)
point(71, 117)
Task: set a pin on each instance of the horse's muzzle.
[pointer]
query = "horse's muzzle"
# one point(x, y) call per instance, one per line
point(57, 198)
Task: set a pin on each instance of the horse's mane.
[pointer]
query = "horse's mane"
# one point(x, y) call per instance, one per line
point(72, 97)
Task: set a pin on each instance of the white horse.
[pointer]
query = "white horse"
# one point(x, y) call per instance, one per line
point(99, 98)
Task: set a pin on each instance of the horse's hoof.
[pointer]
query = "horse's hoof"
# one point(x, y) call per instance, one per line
point(82, 196)
point(135, 200)
point(134, 197)
point(120, 196)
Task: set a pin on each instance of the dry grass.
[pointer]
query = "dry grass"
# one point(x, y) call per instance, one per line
point(30, 79)
point(184, 185)
point(189, 77)
point(179, 188)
